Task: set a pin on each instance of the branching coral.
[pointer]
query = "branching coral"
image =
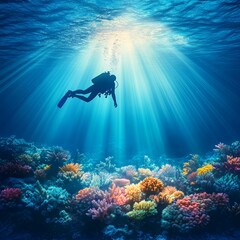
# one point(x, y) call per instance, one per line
point(101, 209)
point(106, 165)
point(205, 169)
point(142, 210)
point(205, 182)
point(118, 195)
point(151, 185)
point(228, 184)
point(133, 193)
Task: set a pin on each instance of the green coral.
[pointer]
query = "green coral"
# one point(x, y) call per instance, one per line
point(142, 210)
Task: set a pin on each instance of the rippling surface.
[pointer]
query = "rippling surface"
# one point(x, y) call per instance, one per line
point(66, 26)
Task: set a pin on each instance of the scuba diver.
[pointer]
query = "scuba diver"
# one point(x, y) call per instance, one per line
point(102, 84)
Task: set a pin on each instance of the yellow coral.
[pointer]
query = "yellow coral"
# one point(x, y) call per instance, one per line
point(71, 167)
point(133, 193)
point(151, 185)
point(143, 209)
point(205, 169)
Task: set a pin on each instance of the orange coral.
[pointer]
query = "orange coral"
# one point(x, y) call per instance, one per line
point(133, 193)
point(167, 196)
point(71, 167)
point(151, 185)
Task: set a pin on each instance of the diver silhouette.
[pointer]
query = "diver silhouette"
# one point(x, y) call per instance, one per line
point(102, 84)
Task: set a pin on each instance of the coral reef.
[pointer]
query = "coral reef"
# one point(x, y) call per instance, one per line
point(47, 187)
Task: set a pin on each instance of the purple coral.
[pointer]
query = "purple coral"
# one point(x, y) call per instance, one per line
point(10, 194)
point(101, 209)
point(14, 170)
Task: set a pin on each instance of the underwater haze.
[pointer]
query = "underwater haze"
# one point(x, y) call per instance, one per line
point(176, 63)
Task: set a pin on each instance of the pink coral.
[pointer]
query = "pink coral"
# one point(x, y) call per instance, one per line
point(118, 195)
point(11, 194)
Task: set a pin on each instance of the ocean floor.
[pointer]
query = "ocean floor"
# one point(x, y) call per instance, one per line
point(47, 192)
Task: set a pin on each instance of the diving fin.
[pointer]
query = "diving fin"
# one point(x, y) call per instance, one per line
point(63, 99)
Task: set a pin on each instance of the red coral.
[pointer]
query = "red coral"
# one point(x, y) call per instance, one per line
point(11, 194)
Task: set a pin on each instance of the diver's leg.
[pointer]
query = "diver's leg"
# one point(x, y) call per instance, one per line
point(89, 98)
point(86, 91)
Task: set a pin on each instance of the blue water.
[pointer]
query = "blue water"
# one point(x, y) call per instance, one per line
point(177, 64)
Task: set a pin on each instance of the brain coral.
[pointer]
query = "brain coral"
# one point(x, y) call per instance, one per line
point(151, 185)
